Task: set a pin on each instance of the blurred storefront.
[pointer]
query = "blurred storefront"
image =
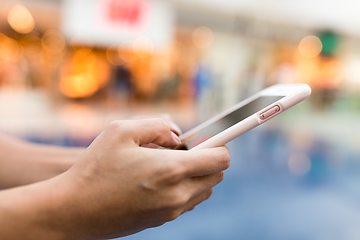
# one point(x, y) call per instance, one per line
point(111, 59)
point(122, 57)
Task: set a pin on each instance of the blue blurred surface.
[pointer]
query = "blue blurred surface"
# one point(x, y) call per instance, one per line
point(261, 199)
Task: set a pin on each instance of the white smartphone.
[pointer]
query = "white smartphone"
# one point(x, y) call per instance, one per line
point(245, 116)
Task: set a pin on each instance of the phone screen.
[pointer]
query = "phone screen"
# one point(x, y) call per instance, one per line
point(230, 120)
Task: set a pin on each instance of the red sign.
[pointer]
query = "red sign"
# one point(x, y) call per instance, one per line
point(126, 15)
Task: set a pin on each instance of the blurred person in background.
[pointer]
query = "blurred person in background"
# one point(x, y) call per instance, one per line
point(114, 188)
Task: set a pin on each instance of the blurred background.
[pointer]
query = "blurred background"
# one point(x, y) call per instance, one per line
point(69, 67)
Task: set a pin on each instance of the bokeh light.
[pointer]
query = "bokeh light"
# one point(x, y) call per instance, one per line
point(79, 86)
point(10, 50)
point(310, 46)
point(143, 47)
point(299, 164)
point(20, 19)
point(203, 37)
point(84, 74)
point(53, 42)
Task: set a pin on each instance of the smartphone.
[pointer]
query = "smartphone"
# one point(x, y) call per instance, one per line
point(245, 116)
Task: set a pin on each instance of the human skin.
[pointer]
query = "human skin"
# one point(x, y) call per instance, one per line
point(116, 188)
point(24, 163)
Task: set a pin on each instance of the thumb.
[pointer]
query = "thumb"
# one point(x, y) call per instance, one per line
point(144, 131)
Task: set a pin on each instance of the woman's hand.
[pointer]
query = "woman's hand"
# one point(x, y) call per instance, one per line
point(125, 188)
point(118, 187)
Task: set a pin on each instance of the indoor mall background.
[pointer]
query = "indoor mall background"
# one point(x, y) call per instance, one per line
point(70, 67)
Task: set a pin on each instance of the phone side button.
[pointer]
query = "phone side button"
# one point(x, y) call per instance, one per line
point(270, 112)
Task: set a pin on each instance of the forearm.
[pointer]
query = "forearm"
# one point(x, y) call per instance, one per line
point(38, 211)
point(63, 208)
point(24, 163)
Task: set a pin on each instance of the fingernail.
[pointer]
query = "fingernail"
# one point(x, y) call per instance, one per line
point(177, 139)
point(174, 128)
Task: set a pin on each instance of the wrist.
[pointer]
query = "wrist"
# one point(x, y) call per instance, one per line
point(51, 162)
point(64, 159)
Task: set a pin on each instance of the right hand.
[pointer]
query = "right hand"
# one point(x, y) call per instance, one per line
point(119, 188)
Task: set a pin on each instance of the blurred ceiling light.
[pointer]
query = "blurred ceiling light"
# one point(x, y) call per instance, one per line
point(310, 46)
point(20, 19)
point(203, 37)
point(299, 164)
point(112, 55)
point(10, 50)
point(143, 47)
point(53, 42)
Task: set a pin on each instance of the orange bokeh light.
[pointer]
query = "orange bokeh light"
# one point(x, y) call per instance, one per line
point(310, 46)
point(20, 19)
point(79, 86)
point(84, 74)
point(10, 51)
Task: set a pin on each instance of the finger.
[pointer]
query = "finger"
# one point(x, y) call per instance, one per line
point(192, 203)
point(202, 162)
point(170, 216)
point(199, 185)
point(144, 131)
point(173, 126)
point(152, 145)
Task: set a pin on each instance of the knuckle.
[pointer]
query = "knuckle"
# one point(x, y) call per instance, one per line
point(171, 216)
point(208, 194)
point(170, 174)
point(161, 124)
point(176, 201)
point(178, 172)
point(220, 176)
point(115, 125)
point(121, 128)
point(225, 158)
point(191, 209)
point(158, 224)
point(160, 121)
